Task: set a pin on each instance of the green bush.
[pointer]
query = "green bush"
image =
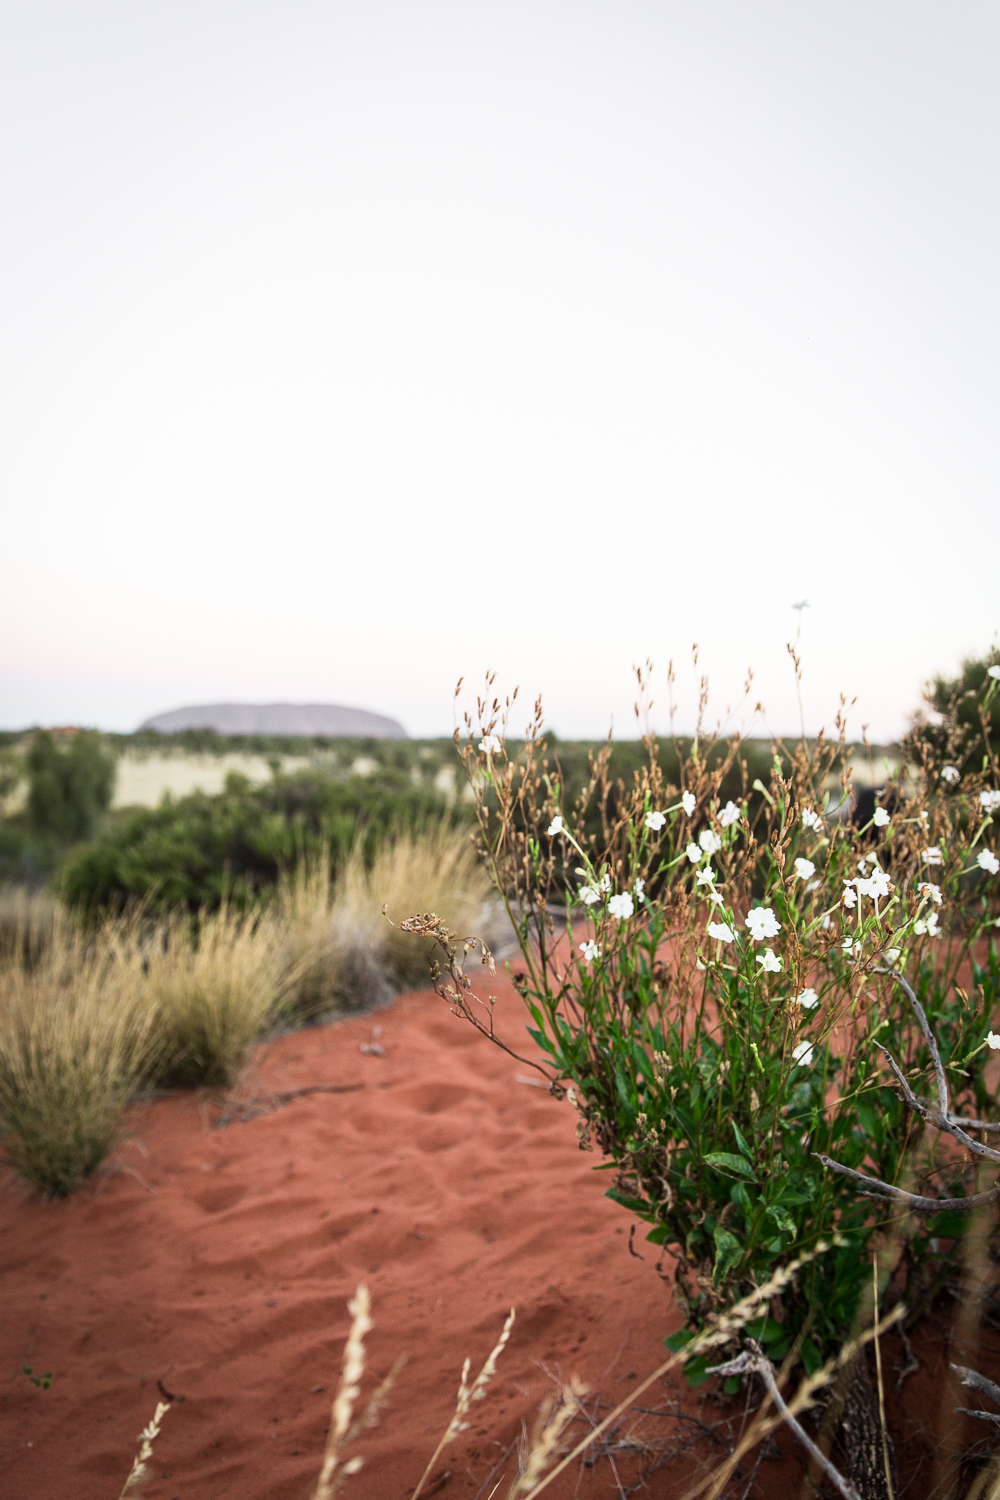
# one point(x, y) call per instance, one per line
point(199, 850)
point(737, 972)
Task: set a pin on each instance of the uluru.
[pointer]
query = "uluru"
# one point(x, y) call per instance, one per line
point(305, 720)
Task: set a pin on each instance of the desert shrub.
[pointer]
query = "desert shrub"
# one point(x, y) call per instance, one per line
point(199, 850)
point(718, 1016)
point(73, 1046)
point(210, 985)
point(962, 716)
point(29, 920)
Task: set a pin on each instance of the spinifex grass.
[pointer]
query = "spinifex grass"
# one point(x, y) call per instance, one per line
point(74, 1043)
point(718, 989)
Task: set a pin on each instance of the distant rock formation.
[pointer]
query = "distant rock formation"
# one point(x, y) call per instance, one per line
point(301, 720)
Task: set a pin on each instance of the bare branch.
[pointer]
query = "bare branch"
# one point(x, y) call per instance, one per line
point(754, 1361)
point(979, 1383)
point(879, 1189)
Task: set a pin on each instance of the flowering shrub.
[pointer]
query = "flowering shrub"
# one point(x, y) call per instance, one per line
point(718, 988)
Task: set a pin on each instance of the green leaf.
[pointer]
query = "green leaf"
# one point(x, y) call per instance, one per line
point(766, 1330)
point(732, 1385)
point(728, 1251)
point(811, 1357)
point(634, 1205)
point(725, 1161)
point(697, 1371)
point(782, 1218)
point(741, 1140)
point(680, 1340)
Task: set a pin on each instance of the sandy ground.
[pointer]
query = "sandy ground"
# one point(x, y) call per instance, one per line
point(218, 1262)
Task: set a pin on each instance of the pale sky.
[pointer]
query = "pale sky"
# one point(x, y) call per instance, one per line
point(346, 348)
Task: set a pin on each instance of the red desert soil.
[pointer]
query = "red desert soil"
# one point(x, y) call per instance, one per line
point(219, 1262)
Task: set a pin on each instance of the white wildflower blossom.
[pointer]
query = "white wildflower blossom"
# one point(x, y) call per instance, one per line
point(705, 876)
point(709, 841)
point(951, 774)
point(716, 898)
point(762, 923)
point(803, 1053)
point(769, 962)
point(556, 826)
point(993, 1041)
point(990, 801)
point(689, 802)
point(655, 820)
point(849, 945)
point(491, 744)
point(993, 672)
point(729, 815)
point(876, 886)
point(808, 999)
point(590, 950)
point(721, 932)
point(693, 853)
point(881, 818)
point(621, 907)
point(805, 869)
point(811, 818)
point(604, 884)
point(589, 895)
point(932, 926)
point(849, 898)
point(932, 855)
point(988, 862)
point(892, 954)
point(934, 891)
point(640, 888)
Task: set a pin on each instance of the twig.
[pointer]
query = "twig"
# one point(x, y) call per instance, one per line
point(753, 1361)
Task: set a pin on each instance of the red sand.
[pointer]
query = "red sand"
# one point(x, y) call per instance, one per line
point(219, 1262)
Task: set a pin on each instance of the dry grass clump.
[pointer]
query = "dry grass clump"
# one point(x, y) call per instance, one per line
point(74, 1043)
point(28, 923)
point(339, 952)
point(210, 987)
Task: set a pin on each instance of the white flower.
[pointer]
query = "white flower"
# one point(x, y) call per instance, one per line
point(706, 876)
point(849, 898)
point(932, 856)
point(716, 898)
point(993, 672)
point(655, 821)
point(892, 954)
point(621, 906)
point(709, 841)
point(808, 999)
point(730, 814)
point(992, 1040)
point(556, 826)
point(604, 884)
point(881, 819)
point(721, 932)
point(934, 891)
point(768, 962)
point(990, 800)
point(640, 887)
point(875, 886)
point(951, 773)
point(693, 853)
point(850, 946)
point(589, 894)
point(803, 1054)
point(590, 950)
point(762, 923)
point(689, 802)
point(988, 861)
point(811, 819)
point(931, 926)
point(492, 744)
point(805, 869)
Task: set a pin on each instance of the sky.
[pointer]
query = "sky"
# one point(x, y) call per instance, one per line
point(350, 348)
